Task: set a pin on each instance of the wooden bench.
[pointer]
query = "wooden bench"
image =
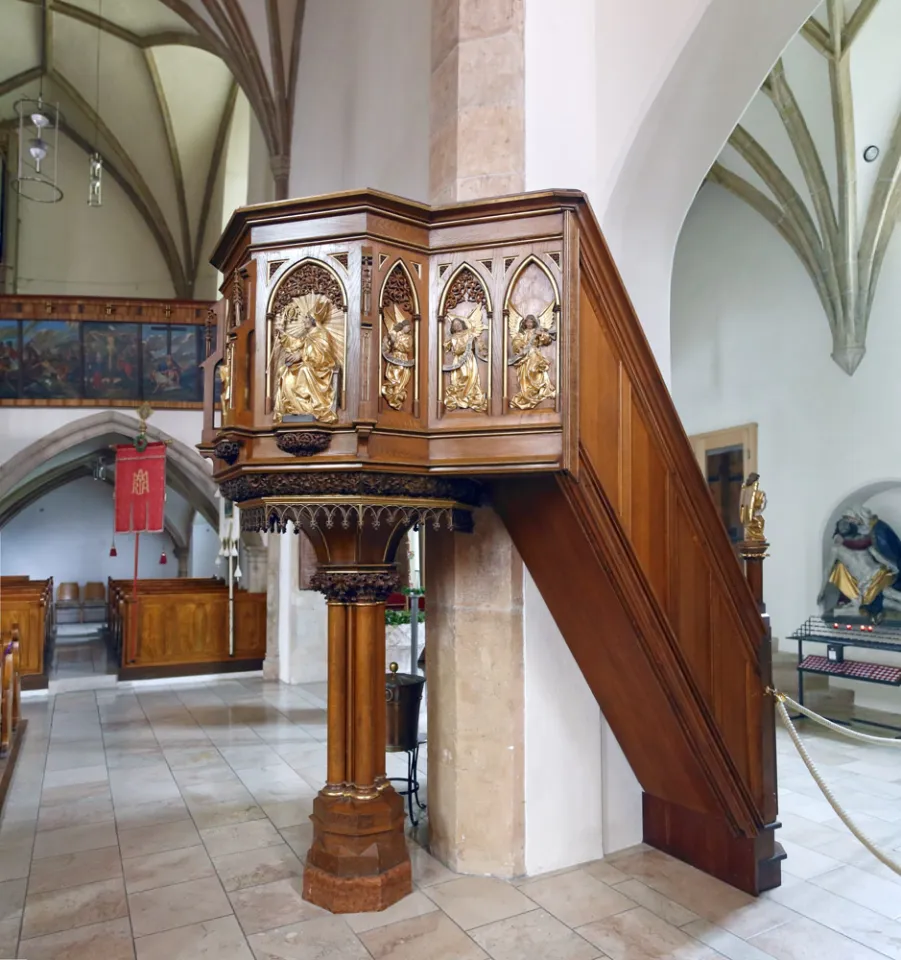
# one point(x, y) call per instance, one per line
point(28, 605)
point(179, 627)
point(12, 726)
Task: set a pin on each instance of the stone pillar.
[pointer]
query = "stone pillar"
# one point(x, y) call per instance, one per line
point(477, 99)
point(475, 699)
point(273, 571)
point(474, 583)
point(256, 559)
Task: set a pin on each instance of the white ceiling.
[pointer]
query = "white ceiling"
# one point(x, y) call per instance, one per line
point(165, 104)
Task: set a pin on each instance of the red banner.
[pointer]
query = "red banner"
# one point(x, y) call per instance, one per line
point(140, 488)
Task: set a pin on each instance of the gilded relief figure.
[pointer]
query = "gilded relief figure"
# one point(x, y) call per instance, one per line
point(753, 503)
point(225, 395)
point(307, 358)
point(398, 353)
point(528, 335)
point(462, 347)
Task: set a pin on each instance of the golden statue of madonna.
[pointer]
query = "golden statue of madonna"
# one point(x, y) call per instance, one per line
point(307, 358)
point(752, 505)
point(528, 335)
point(397, 352)
point(463, 344)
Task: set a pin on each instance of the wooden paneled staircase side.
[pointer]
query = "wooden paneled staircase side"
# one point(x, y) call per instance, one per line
point(638, 571)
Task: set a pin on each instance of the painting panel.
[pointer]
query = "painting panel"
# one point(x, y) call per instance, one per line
point(51, 360)
point(111, 361)
point(170, 355)
point(9, 359)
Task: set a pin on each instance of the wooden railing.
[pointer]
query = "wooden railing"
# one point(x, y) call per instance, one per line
point(10, 708)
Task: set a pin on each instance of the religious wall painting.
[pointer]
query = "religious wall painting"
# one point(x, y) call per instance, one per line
point(10, 354)
point(169, 365)
point(51, 360)
point(307, 344)
point(531, 347)
point(111, 363)
point(464, 317)
point(399, 337)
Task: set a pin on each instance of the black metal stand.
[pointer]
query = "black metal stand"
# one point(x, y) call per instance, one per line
point(411, 781)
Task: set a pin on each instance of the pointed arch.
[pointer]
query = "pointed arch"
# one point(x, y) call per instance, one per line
point(518, 272)
point(400, 266)
point(457, 289)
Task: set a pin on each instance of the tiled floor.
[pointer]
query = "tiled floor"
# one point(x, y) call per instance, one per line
point(171, 824)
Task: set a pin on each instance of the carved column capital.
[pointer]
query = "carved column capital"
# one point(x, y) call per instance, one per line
point(355, 586)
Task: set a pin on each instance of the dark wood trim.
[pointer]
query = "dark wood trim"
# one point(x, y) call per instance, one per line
point(189, 669)
point(8, 763)
point(34, 681)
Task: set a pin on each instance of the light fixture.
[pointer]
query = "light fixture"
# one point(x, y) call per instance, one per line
point(95, 177)
point(38, 140)
point(871, 153)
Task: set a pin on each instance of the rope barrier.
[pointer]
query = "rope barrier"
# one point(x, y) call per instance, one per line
point(781, 700)
point(836, 727)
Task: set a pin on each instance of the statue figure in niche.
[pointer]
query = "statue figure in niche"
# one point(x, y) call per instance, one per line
point(751, 508)
point(528, 335)
point(865, 575)
point(307, 357)
point(465, 348)
point(397, 352)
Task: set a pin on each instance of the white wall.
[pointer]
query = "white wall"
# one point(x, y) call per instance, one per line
point(67, 535)
point(751, 343)
point(362, 112)
point(204, 551)
point(72, 249)
point(302, 619)
point(21, 426)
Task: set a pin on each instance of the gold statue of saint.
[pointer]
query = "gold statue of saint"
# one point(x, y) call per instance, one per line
point(225, 380)
point(528, 335)
point(464, 389)
point(397, 352)
point(307, 358)
point(752, 505)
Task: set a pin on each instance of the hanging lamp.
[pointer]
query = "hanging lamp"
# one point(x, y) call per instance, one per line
point(38, 160)
point(95, 173)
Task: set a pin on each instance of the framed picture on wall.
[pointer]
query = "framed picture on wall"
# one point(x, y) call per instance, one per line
point(51, 360)
point(10, 353)
point(111, 361)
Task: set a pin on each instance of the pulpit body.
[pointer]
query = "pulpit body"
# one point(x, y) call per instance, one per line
point(376, 363)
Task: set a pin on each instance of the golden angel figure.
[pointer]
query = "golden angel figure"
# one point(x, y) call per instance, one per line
point(528, 335)
point(307, 357)
point(752, 505)
point(225, 394)
point(397, 352)
point(464, 389)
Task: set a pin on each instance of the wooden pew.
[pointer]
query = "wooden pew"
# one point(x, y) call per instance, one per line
point(180, 628)
point(12, 726)
point(28, 605)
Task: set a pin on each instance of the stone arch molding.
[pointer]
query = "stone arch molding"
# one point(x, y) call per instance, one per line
point(188, 472)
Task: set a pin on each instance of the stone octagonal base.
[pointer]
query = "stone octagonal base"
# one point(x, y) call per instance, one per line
point(357, 894)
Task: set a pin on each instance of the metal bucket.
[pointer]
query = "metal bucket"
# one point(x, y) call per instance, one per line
point(403, 695)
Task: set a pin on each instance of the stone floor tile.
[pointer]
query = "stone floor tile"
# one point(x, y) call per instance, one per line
point(12, 899)
point(148, 814)
point(166, 868)
point(92, 810)
point(427, 871)
point(99, 941)
point(208, 816)
point(414, 905)
point(250, 868)
point(804, 939)
point(55, 843)
point(806, 863)
point(272, 905)
point(220, 939)
point(179, 905)
point(662, 906)
point(9, 936)
point(433, 936)
point(535, 934)
point(299, 837)
point(474, 901)
point(726, 944)
point(640, 935)
point(327, 938)
point(15, 860)
point(221, 841)
point(73, 907)
point(51, 796)
point(576, 897)
point(75, 870)
point(863, 888)
point(142, 841)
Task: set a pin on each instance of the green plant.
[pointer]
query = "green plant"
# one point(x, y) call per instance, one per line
point(397, 618)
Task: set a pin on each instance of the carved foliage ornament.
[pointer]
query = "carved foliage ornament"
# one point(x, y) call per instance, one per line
point(306, 278)
point(398, 338)
point(358, 484)
point(303, 443)
point(352, 586)
point(227, 450)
